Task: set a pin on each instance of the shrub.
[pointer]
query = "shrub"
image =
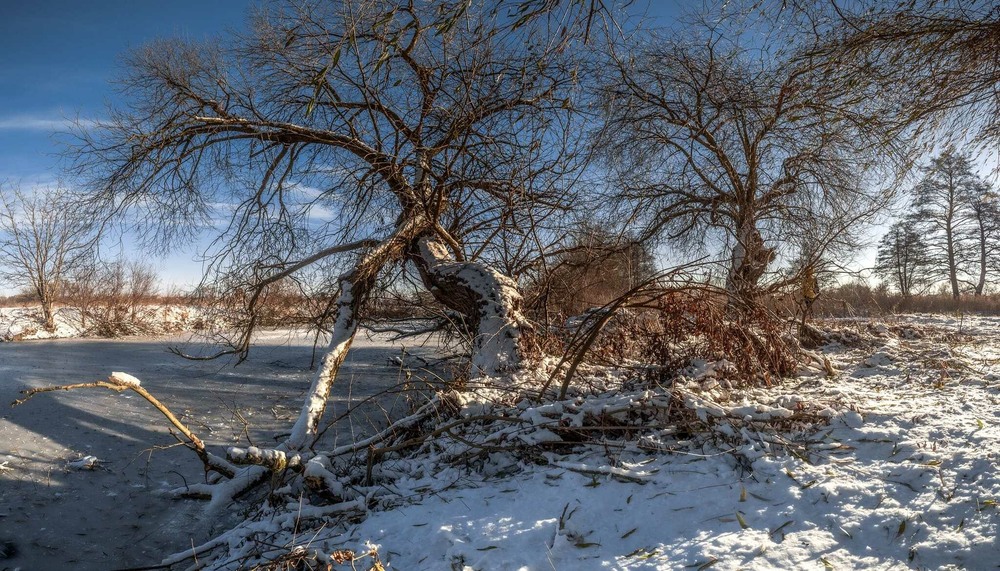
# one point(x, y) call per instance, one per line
point(664, 339)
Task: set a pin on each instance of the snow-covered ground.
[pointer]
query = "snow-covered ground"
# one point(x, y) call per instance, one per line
point(891, 464)
point(904, 476)
point(26, 323)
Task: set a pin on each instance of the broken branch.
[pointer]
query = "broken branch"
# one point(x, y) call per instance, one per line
point(119, 382)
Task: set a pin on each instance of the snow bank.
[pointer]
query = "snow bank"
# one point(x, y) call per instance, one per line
point(26, 323)
point(22, 323)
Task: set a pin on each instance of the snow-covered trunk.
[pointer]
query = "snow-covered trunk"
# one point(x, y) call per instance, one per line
point(355, 287)
point(748, 262)
point(488, 300)
point(352, 294)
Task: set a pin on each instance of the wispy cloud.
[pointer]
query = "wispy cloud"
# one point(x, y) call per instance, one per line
point(42, 123)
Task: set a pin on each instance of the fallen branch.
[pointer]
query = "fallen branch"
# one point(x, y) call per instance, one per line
point(400, 333)
point(119, 382)
point(271, 458)
point(636, 477)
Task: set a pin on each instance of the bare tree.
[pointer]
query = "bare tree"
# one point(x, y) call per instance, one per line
point(596, 267)
point(112, 296)
point(370, 132)
point(935, 62)
point(81, 287)
point(41, 241)
point(716, 142)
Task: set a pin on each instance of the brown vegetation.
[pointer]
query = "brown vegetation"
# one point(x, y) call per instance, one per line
point(858, 299)
point(694, 326)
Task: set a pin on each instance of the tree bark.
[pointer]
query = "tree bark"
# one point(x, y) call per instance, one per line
point(355, 287)
point(48, 313)
point(748, 263)
point(487, 299)
point(952, 261)
point(949, 235)
point(353, 292)
point(981, 284)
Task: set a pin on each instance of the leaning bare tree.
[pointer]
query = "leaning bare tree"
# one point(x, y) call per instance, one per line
point(41, 241)
point(369, 132)
point(720, 140)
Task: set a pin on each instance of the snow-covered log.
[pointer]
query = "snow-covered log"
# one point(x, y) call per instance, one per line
point(488, 299)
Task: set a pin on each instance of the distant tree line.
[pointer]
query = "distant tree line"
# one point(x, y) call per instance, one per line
point(50, 255)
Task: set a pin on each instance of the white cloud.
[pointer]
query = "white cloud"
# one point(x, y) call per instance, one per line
point(307, 193)
point(41, 123)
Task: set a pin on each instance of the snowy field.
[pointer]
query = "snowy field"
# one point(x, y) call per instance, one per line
point(904, 476)
point(891, 464)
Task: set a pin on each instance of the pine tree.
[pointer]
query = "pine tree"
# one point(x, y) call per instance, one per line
point(903, 259)
point(942, 212)
point(983, 249)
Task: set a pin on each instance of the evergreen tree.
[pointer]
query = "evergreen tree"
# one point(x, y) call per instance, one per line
point(942, 212)
point(903, 259)
point(983, 241)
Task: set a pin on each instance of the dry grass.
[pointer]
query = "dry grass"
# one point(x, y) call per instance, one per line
point(688, 326)
point(857, 299)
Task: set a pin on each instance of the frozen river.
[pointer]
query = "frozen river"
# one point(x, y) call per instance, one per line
point(116, 516)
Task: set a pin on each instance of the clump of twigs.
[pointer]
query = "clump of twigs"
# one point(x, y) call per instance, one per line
point(663, 331)
point(691, 326)
point(301, 558)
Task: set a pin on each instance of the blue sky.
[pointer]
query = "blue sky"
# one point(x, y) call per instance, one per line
point(57, 61)
point(58, 57)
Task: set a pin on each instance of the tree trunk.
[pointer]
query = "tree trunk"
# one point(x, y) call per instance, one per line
point(748, 263)
point(48, 313)
point(488, 300)
point(981, 284)
point(904, 282)
point(353, 292)
point(952, 264)
point(355, 287)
